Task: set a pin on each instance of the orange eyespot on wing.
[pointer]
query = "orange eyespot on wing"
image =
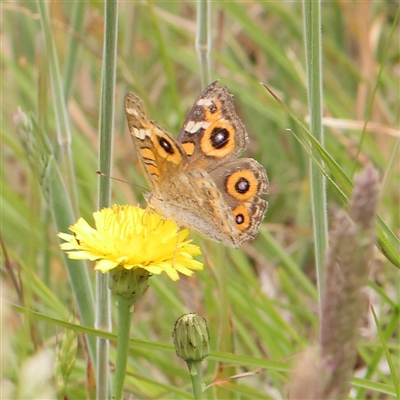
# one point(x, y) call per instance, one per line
point(248, 217)
point(241, 182)
point(197, 180)
point(242, 185)
point(242, 218)
point(218, 140)
point(212, 132)
point(160, 155)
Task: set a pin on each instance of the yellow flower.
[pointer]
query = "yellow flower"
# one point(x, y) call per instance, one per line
point(130, 237)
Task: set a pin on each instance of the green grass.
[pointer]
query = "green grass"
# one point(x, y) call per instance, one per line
point(262, 300)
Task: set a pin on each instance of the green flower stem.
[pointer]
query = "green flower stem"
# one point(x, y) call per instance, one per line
point(106, 123)
point(197, 378)
point(192, 344)
point(124, 327)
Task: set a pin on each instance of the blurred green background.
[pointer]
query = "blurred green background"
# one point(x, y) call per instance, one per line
point(273, 314)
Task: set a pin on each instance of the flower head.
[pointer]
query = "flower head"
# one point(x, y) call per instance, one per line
point(130, 237)
point(191, 337)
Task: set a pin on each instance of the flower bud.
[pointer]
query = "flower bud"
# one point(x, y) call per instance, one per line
point(131, 283)
point(191, 338)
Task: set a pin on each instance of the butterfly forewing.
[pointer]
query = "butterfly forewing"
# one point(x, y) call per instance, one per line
point(197, 180)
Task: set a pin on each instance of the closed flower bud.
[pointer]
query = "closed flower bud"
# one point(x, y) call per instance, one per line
point(191, 338)
point(129, 283)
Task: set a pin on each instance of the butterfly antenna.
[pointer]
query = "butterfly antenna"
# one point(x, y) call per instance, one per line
point(120, 180)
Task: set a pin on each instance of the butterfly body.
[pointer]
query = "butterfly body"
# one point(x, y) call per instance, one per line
point(197, 180)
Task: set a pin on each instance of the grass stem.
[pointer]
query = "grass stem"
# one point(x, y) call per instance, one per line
point(312, 31)
point(203, 40)
point(106, 123)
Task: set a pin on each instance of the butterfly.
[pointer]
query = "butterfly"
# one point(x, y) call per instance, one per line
point(197, 180)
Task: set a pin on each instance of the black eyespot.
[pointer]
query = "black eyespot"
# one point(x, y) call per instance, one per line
point(239, 219)
point(166, 145)
point(242, 185)
point(219, 138)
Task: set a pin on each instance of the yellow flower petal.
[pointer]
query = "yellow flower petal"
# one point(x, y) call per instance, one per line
point(130, 237)
point(105, 265)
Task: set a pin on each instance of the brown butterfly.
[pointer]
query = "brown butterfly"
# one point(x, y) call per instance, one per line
point(198, 180)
